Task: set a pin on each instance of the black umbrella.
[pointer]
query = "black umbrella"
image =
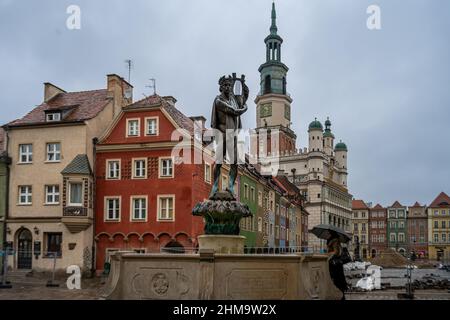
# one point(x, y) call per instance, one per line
point(328, 232)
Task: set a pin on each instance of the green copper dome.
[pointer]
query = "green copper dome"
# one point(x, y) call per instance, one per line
point(340, 147)
point(327, 123)
point(315, 125)
point(328, 134)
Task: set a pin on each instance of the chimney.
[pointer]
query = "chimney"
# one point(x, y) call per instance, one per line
point(120, 90)
point(170, 99)
point(50, 91)
point(200, 120)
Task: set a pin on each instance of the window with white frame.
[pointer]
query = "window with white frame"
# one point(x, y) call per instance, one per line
point(151, 126)
point(52, 194)
point(25, 153)
point(139, 208)
point(393, 237)
point(139, 168)
point(53, 152)
point(252, 193)
point(133, 127)
point(112, 208)
point(436, 237)
point(75, 193)
point(25, 195)
point(444, 237)
point(113, 169)
point(260, 222)
point(245, 191)
point(207, 173)
point(166, 208)
point(166, 167)
point(277, 232)
point(55, 116)
point(260, 198)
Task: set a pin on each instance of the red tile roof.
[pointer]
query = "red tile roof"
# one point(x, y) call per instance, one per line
point(377, 207)
point(359, 204)
point(442, 200)
point(396, 205)
point(81, 106)
point(182, 120)
point(286, 184)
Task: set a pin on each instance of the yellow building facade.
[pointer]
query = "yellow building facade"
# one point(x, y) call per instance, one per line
point(439, 228)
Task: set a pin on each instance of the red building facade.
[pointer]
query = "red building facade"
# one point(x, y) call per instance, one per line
point(377, 230)
point(145, 194)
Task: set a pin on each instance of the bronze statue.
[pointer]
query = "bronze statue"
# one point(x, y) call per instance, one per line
point(226, 112)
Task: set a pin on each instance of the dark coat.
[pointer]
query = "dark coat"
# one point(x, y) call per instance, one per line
point(336, 265)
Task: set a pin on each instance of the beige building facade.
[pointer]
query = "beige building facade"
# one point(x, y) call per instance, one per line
point(360, 228)
point(51, 200)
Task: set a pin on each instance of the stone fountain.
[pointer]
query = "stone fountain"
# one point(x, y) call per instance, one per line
point(220, 270)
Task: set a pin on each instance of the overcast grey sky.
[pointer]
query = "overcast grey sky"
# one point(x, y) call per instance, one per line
point(385, 91)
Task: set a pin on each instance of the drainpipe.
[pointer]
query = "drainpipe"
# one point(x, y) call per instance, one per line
point(94, 204)
point(8, 163)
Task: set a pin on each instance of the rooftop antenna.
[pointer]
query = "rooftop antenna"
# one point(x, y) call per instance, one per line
point(153, 85)
point(129, 64)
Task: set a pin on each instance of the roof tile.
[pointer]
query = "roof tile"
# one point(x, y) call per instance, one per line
point(359, 204)
point(85, 104)
point(79, 165)
point(442, 200)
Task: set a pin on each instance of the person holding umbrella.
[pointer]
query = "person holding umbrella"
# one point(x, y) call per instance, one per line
point(337, 255)
point(336, 264)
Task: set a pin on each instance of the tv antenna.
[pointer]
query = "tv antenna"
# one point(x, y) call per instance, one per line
point(153, 85)
point(129, 64)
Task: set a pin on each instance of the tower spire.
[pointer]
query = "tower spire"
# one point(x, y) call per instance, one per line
point(273, 27)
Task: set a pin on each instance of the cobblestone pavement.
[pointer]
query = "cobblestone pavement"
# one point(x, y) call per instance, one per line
point(90, 290)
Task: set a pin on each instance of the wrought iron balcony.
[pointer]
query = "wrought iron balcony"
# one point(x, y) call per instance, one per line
point(76, 219)
point(75, 212)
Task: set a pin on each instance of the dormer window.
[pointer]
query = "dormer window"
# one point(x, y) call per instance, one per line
point(53, 116)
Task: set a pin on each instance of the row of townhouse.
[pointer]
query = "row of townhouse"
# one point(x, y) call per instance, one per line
point(419, 229)
point(88, 173)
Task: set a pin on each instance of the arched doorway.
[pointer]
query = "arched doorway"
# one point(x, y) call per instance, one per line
point(374, 253)
point(174, 247)
point(24, 254)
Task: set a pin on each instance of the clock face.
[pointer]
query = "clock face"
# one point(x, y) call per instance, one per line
point(265, 110)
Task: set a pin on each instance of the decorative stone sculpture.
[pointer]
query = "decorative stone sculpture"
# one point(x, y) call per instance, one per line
point(222, 213)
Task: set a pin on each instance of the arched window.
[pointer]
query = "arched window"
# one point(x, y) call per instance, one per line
point(174, 247)
point(267, 84)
